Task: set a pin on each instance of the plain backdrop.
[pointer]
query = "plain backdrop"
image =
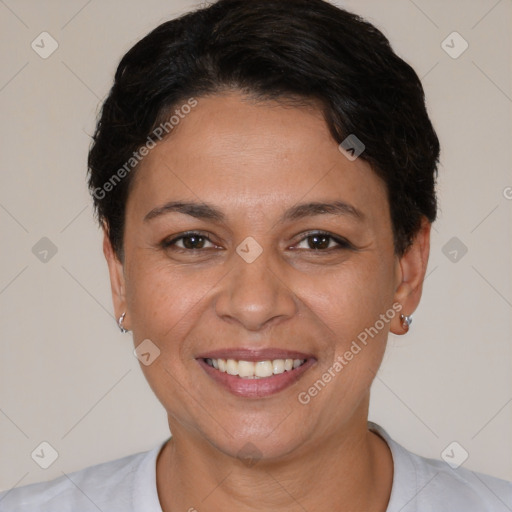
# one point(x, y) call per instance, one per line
point(69, 377)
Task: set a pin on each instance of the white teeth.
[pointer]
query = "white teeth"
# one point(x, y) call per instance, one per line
point(232, 367)
point(245, 369)
point(278, 366)
point(263, 369)
point(255, 370)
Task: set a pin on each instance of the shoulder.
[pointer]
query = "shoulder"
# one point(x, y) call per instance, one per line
point(428, 485)
point(111, 486)
point(441, 487)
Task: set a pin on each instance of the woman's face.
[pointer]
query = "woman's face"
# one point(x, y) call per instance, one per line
point(265, 273)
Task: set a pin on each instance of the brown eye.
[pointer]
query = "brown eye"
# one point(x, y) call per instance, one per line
point(323, 242)
point(189, 241)
point(193, 242)
point(319, 241)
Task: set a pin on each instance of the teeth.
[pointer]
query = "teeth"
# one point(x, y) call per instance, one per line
point(255, 370)
point(232, 367)
point(277, 366)
point(263, 369)
point(245, 369)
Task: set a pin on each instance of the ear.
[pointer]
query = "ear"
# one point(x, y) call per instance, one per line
point(410, 273)
point(117, 281)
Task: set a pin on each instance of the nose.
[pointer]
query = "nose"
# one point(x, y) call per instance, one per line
point(254, 295)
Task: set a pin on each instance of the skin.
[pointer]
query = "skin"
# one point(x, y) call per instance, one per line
point(253, 161)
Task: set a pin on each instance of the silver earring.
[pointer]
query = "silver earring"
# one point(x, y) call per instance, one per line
point(120, 323)
point(406, 322)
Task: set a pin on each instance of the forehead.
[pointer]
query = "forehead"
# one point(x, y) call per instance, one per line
point(236, 153)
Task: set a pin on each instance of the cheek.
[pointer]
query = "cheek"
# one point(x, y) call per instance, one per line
point(164, 305)
point(353, 308)
point(353, 296)
point(161, 298)
point(347, 308)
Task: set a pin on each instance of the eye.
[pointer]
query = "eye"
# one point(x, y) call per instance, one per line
point(320, 241)
point(188, 241)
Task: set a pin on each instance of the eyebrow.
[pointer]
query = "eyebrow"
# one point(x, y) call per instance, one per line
point(339, 208)
point(197, 210)
point(208, 212)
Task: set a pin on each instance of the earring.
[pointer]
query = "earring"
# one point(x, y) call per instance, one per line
point(120, 323)
point(406, 322)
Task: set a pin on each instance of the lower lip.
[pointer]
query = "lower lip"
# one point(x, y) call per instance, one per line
point(256, 388)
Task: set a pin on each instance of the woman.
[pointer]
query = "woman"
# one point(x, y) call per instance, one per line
point(264, 174)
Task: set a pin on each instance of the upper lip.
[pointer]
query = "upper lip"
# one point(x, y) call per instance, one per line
point(260, 354)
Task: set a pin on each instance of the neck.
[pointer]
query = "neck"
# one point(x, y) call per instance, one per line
point(351, 470)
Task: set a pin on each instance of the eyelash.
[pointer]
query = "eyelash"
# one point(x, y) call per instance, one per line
point(166, 244)
point(342, 243)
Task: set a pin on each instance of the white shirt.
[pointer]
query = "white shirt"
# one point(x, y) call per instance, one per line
point(129, 485)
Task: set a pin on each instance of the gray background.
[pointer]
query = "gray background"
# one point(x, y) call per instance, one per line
point(68, 377)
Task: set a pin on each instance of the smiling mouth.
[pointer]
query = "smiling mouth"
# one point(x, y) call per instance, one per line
point(254, 369)
point(253, 373)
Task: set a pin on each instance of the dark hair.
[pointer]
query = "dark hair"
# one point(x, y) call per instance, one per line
point(273, 50)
